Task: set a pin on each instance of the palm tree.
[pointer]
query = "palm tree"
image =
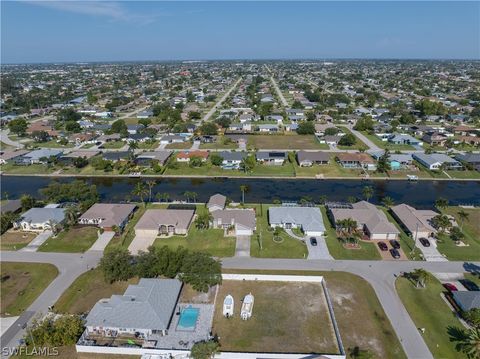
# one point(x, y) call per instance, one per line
point(243, 188)
point(187, 195)
point(71, 214)
point(441, 203)
point(421, 277)
point(442, 222)
point(163, 196)
point(367, 192)
point(150, 185)
point(470, 343)
point(140, 191)
point(463, 217)
point(53, 225)
point(323, 199)
point(132, 146)
point(194, 196)
point(388, 202)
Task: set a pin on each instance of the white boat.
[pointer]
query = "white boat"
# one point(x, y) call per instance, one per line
point(412, 177)
point(247, 307)
point(228, 305)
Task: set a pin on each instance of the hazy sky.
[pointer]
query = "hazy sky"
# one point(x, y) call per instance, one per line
point(33, 31)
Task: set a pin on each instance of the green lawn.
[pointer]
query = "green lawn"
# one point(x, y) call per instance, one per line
point(384, 144)
point(262, 244)
point(464, 174)
point(286, 170)
point(359, 145)
point(15, 240)
point(74, 240)
point(86, 290)
point(285, 142)
point(338, 251)
point(148, 145)
point(113, 144)
point(22, 283)
point(421, 304)
point(333, 169)
point(359, 314)
point(52, 144)
point(471, 229)
point(30, 169)
point(179, 146)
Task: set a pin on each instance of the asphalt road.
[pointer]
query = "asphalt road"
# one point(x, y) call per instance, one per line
point(5, 139)
point(380, 274)
point(219, 102)
point(279, 93)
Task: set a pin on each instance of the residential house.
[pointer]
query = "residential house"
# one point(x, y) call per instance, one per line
point(82, 138)
point(108, 215)
point(241, 221)
point(435, 161)
point(370, 220)
point(276, 158)
point(117, 156)
point(185, 156)
point(308, 159)
point(397, 161)
point(268, 128)
point(308, 219)
point(434, 139)
point(404, 139)
point(467, 299)
point(172, 138)
point(40, 219)
point(145, 114)
point(216, 202)
point(37, 156)
point(70, 157)
point(11, 156)
point(145, 308)
point(147, 158)
point(231, 159)
point(415, 222)
point(471, 159)
point(134, 129)
point(155, 222)
point(356, 160)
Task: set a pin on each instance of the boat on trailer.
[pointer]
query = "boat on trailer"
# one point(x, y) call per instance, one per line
point(228, 306)
point(247, 307)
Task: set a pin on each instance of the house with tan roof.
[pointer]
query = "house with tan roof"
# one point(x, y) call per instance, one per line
point(185, 156)
point(155, 222)
point(371, 220)
point(241, 221)
point(216, 202)
point(356, 160)
point(414, 221)
point(108, 215)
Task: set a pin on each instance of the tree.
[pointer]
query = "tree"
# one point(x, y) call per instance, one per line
point(40, 136)
point(6, 221)
point(216, 159)
point(116, 265)
point(349, 229)
point(421, 277)
point(203, 220)
point(472, 316)
point(347, 140)
point(470, 343)
point(150, 185)
point(55, 332)
point(68, 114)
point(243, 189)
point(80, 162)
point(71, 215)
point(441, 203)
point(18, 126)
point(367, 192)
point(208, 128)
point(119, 127)
point(204, 349)
point(441, 222)
point(456, 234)
point(163, 196)
point(132, 146)
point(248, 163)
point(383, 163)
point(463, 216)
point(331, 131)
point(72, 126)
point(195, 161)
point(364, 124)
point(388, 202)
point(223, 122)
point(27, 202)
point(201, 271)
point(306, 128)
point(76, 191)
point(140, 191)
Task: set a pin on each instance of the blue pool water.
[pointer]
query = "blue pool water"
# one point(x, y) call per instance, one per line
point(188, 319)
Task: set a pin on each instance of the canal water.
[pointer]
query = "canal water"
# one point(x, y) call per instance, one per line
point(421, 194)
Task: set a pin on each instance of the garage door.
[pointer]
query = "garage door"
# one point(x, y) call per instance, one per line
point(314, 234)
point(243, 232)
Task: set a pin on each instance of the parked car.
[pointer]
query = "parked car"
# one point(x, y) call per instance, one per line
point(313, 241)
point(395, 253)
point(425, 242)
point(394, 244)
point(451, 287)
point(467, 283)
point(383, 246)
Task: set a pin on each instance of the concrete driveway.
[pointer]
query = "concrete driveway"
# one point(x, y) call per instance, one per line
point(320, 251)
point(102, 241)
point(141, 243)
point(37, 241)
point(195, 145)
point(242, 246)
point(431, 253)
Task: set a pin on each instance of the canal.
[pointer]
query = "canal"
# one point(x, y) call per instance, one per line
point(421, 194)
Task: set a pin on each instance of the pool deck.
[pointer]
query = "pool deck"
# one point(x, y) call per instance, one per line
point(187, 337)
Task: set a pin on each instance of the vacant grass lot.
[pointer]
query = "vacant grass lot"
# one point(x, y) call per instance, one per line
point(386, 144)
point(359, 145)
point(285, 142)
point(22, 283)
point(52, 144)
point(74, 240)
point(148, 145)
point(262, 244)
point(219, 144)
point(87, 290)
point(31, 169)
point(333, 169)
point(179, 146)
point(464, 174)
point(113, 144)
point(338, 251)
point(471, 229)
point(277, 313)
point(421, 304)
point(15, 240)
point(360, 317)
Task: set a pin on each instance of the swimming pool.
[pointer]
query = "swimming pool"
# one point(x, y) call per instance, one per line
point(188, 319)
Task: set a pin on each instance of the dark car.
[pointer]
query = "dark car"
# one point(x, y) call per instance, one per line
point(394, 244)
point(313, 241)
point(467, 283)
point(395, 254)
point(451, 287)
point(425, 242)
point(383, 246)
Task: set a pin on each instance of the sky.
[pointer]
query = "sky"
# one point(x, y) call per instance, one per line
point(82, 31)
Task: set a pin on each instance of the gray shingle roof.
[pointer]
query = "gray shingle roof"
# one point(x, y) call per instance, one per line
point(310, 218)
point(148, 305)
point(43, 215)
point(467, 299)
